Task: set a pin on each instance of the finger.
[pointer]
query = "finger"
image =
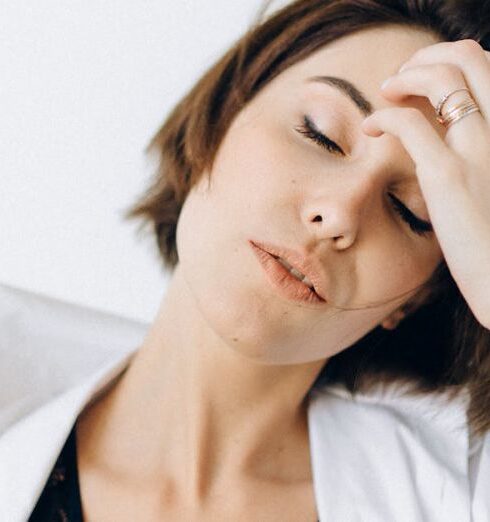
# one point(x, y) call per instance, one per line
point(434, 160)
point(433, 82)
point(472, 60)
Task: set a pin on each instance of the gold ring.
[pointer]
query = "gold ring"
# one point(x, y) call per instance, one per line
point(459, 112)
point(444, 99)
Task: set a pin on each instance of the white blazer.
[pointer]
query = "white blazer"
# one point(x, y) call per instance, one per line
point(381, 457)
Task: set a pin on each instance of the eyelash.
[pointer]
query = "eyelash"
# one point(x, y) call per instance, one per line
point(417, 225)
point(309, 129)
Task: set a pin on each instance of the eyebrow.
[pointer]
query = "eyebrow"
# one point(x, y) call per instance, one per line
point(348, 89)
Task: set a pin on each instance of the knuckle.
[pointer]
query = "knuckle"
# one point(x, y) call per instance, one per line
point(468, 49)
point(449, 72)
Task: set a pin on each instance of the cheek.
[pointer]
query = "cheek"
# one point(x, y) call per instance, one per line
point(250, 163)
point(391, 269)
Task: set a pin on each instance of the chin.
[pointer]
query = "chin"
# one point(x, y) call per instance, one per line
point(246, 323)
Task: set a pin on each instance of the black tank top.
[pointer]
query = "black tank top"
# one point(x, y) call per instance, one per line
point(60, 499)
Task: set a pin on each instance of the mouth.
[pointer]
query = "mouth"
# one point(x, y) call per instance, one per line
point(294, 272)
point(289, 273)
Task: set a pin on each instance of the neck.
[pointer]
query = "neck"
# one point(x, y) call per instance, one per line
point(196, 412)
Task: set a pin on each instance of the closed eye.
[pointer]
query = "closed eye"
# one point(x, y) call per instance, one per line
point(310, 130)
point(419, 226)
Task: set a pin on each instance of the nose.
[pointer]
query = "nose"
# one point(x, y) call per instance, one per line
point(337, 212)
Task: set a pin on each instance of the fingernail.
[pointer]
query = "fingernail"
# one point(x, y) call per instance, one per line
point(386, 82)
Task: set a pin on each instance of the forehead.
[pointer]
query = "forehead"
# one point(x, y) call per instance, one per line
point(369, 53)
point(365, 58)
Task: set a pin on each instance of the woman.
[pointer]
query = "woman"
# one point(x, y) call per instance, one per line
point(321, 208)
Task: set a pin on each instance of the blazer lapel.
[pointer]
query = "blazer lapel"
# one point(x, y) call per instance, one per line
point(29, 448)
point(386, 457)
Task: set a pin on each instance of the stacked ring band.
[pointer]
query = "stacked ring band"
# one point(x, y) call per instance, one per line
point(456, 112)
point(444, 99)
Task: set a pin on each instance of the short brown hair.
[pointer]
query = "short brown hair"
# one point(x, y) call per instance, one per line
point(439, 347)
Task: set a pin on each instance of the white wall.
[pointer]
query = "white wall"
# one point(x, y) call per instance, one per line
point(83, 87)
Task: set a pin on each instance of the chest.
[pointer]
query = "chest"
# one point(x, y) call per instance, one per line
point(103, 499)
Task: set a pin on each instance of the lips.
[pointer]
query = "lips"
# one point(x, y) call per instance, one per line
point(296, 273)
point(302, 264)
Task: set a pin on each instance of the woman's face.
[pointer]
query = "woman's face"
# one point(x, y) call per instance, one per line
point(272, 184)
